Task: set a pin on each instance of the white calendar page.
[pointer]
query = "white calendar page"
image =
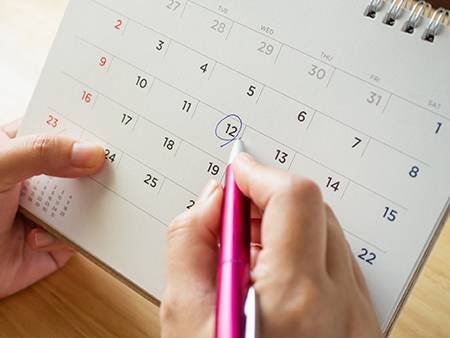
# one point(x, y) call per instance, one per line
point(313, 87)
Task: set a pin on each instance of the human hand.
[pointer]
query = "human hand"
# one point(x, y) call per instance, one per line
point(28, 253)
point(306, 279)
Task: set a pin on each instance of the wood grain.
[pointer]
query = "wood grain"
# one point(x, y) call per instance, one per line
point(82, 300)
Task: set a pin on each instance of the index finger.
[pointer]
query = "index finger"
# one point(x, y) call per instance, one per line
point(294, 212)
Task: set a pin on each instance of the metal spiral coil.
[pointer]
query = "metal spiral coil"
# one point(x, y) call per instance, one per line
point(438, 20)
point(419, 9)
point(373, 8)
point(394, 12)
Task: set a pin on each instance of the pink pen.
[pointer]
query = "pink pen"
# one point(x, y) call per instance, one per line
point(234, 261)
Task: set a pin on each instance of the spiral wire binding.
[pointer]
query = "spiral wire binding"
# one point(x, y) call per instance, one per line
point(440, 18)
point(394, 12)
point(419, 9)
point(373, 8)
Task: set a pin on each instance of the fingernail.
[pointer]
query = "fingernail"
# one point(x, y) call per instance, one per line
point(208, 190)
point(86, 155)
point(43, 239)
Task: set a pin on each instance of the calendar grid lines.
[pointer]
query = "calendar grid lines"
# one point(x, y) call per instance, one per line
point(376, 247)
point(345, 189)
point(161, 185)
point(178, 148)
point(402, 152)
point(184, 9)
point(247, 126)
point(281, 143)
point(195, 109)
point(167, 86)
point(331, 77)
point(127, 154)
point(110, 63)
point(295, 151)
point(136, 122)
point(144, 117)
point(212, 70)
point(123, 31)
point(130, 202)
point(151, 85)
point(311, 120)
point(366, 146)
point(374, 139)
point(281, 43)
point(269, 87)
point(169, 44)
point(120, 158)
point(386, 104)
point(292, 161)
point(381, 196)
point(260, 93)
point(278, 53)
point(229, 31)
point(323, 62)
point(102, 139)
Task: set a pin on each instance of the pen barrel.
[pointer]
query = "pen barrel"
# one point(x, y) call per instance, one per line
point(234, 261)
point(235, 223)
point(232, 291)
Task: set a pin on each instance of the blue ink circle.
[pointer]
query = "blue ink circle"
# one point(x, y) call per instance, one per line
point(230, 139)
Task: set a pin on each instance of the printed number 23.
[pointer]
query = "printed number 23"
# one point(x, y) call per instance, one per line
point(52, 121)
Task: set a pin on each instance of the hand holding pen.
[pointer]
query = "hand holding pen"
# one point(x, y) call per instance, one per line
point(306, 279)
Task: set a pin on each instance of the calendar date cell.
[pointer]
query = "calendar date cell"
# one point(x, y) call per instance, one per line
point(409, 175)
point(267, 150)
point(239, 94)
point(373, 217)
point(301, 76)
point(57, 123)
point(128, 85)
point(72, 93)
point(192, 70)
point(355, 102)
point(112, 121)
point(197, 161)
point(286, 119)
point(260, 49)
point(170, 108)
point(217, 130)
point(332, 184)
point(173, 200)
point(101, 26)
point(334, 144)
point(161, 146)
point(209, 26)
point(149, 55)
point(415, 131)
point(139, 184)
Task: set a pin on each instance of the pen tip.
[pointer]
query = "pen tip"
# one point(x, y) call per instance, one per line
point(238, 147)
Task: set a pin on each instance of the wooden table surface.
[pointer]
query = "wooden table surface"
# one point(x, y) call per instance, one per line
point(83, 301)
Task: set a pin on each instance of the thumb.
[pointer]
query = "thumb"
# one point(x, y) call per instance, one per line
point(24, 157)
point(192, 245)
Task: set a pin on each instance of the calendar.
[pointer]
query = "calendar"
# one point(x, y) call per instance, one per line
point(352, 94)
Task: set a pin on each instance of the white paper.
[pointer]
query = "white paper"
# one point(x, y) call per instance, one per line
point(314, 87)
